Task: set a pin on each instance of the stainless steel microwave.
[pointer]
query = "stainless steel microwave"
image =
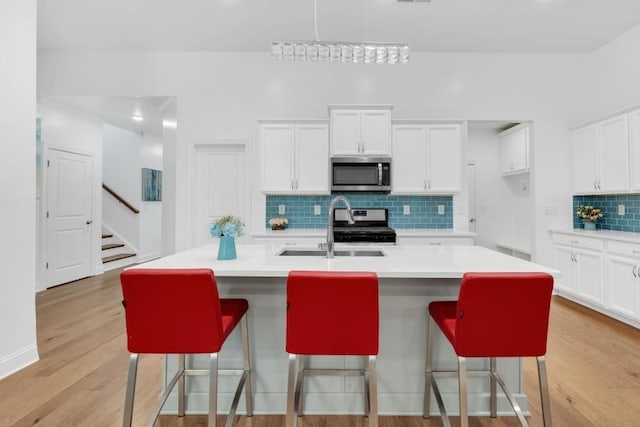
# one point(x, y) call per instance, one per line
point(371, 174)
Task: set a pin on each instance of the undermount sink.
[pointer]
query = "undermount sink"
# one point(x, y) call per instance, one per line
point(319, 252)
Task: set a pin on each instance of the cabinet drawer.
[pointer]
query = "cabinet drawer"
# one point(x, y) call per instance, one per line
point(624, 248)
point(578, 241)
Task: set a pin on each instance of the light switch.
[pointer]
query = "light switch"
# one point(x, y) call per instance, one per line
point(621, 210)
point(281, 209)
point(406, 209)
point(440, 209)
point(316, 209)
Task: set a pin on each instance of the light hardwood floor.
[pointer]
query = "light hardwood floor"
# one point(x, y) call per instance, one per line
point(593, 364)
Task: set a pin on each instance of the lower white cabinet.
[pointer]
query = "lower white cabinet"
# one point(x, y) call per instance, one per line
point(582, 272)
point(601, 273)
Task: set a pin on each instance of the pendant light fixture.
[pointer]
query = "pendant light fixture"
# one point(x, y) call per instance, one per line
point(334, 51)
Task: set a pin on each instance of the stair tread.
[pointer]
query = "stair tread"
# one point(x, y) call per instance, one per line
point(116, 257)
point(106, 236)
point(112, 246)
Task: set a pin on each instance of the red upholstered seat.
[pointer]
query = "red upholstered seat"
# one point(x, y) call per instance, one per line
point(331, 313)
point(178, 311)
point(496, 315)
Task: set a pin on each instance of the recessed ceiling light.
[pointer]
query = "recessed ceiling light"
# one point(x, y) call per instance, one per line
point(137, 118)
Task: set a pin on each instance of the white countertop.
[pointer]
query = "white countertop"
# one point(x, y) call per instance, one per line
point(260, 260)
point(623, 236)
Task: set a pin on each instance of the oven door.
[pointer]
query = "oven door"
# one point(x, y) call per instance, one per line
point(360, 174)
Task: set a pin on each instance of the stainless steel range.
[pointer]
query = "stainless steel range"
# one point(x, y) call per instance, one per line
point(371, 226)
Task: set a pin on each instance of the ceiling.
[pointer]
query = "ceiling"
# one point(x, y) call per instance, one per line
point(117, 111)
point(554, 26)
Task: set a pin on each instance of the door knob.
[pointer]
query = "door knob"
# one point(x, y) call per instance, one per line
point(89, 222)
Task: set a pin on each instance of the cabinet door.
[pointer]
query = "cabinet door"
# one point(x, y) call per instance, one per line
point(277, 158)
point(563, 261)
point(444, 158)
point(408, 166)
point(312, 159)
point(585, 160)
point(634, 148)
point(376, 132)
point(622, 285)
point(345, 132)
point(514, 150)
point(614, 154)
point(589, 276)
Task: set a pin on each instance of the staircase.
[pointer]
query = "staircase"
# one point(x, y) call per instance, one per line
point(115, 253)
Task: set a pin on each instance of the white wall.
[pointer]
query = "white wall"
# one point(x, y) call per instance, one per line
point(150, 221)
point(71, 131)
point(221, 95)
point(121, 173)
point(18, 347)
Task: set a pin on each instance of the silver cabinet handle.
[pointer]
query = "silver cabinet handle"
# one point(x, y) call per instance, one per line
point(595, 184)
point(425, 184)
point(429, 184)
point(89, 222)
point(633, 271)
point(296, 183)
point(575, 242)
point(599, 186)
point(436, 243)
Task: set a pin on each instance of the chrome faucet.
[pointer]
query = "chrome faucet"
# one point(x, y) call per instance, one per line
point(350, 220)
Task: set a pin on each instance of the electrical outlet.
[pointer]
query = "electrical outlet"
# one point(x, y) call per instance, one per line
point(621, 210)
point(317, 210)
point(406, 209)
point(281, 209)
point(440, 209)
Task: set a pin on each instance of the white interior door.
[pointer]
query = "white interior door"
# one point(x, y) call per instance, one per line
point(221, 187)
point(69, 216)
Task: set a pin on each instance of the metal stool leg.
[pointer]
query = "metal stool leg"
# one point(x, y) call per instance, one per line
point(181, 385)
point(248, 393)
point(291, 416)
point(494, 391)
point(544, 391)
point(213, 389)
point(462, 390)
point(429, 368)
point(373, 391)
point(131, 389)
point(304, 365)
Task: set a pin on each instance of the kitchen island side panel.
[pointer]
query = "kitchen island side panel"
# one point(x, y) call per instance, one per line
point(401, 360)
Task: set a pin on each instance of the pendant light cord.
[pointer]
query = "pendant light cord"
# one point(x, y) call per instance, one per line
point(315, 18)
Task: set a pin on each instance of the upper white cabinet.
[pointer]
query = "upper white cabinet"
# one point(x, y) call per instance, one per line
point(514, 150)
point(360, 131)
point(295, 158)
point(601, 157)
point(634, 145)
point(426, 159)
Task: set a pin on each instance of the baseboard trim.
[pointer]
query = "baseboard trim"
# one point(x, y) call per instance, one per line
point(18, 360)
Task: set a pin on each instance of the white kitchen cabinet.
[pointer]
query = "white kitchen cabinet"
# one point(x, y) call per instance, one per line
point(514, 150)
point(295, 158)
point(601, 157)
point(623, 277)
point(581, 260)
point(634, 148)
point(360, 132)
point(427, 159)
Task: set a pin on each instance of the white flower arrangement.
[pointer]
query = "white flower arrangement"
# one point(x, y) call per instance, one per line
point(590, 213)
point(278, 223)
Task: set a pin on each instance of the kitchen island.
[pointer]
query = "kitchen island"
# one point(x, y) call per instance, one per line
point(410, 277)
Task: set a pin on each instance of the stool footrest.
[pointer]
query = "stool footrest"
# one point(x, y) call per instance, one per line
point(335, 372)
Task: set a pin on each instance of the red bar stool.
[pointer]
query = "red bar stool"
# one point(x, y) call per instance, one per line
point(178, 311)
point(496, 315)
point(331, 313)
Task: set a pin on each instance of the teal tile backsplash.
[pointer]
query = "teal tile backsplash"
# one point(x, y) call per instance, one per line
point(424, 209)
point(609, 206)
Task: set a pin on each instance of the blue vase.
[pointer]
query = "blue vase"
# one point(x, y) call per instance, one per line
point(227, 248)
